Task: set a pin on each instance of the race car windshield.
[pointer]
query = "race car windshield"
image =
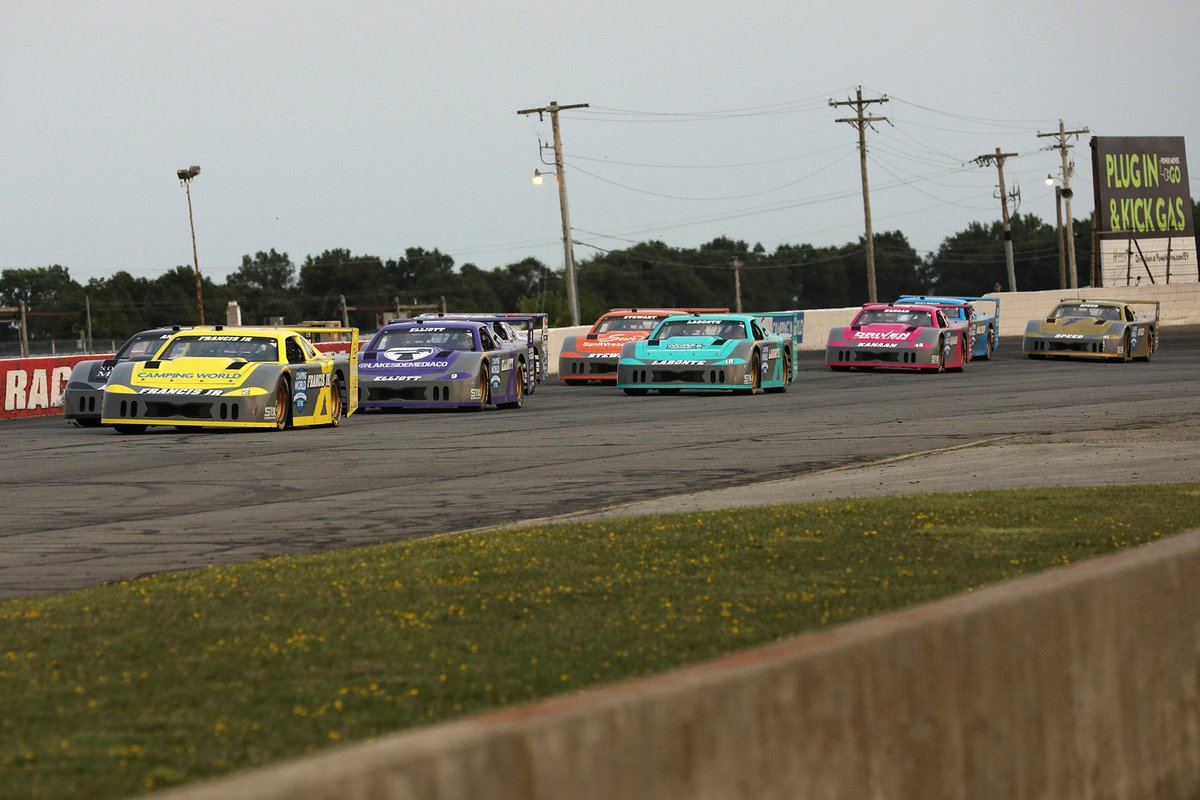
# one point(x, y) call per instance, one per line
point(716, 328)
point(895, 316)
point(140, 348)
point(247, 348)
point(610, 324)
point(1096, 312)
point(441, 338)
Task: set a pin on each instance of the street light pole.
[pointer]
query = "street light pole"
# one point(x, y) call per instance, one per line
point(568, 246)
point(185, 179)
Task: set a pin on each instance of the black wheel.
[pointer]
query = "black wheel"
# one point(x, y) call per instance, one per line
point(941, 367)
point(635, 392)
point(283, 405)
point(520, 401)
point(991, 340)
point(130, 429)
point(87, 422)
point(335, 403)
point(787, 374)
point(668, 391)
point(485, 387)
point(1127, 355)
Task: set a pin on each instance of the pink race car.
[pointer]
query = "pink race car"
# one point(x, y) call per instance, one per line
point(903, 336)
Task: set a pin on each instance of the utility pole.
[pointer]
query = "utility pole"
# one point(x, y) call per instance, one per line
point(737, 282)
point(998, 159)
point(568, 247)
point(1067, 168)
point(861, 122)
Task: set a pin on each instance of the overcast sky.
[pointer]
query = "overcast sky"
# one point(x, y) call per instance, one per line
point(378, 126)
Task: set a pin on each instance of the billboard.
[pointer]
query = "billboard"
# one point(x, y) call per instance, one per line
point(1143, 211)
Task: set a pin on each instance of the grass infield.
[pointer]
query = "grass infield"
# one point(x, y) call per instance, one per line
point(109, 692)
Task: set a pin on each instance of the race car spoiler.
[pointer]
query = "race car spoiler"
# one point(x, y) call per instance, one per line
point(952, 300)
point(789, 324)
point(345, 335)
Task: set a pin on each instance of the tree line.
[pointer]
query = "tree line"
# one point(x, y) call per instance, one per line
point(269, 286)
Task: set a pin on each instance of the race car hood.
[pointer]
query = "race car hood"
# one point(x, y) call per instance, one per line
point(876, 332)
point(609, 343)
point(411, 361)
point(1075, 326)
point(210, 373)
point(685, 348)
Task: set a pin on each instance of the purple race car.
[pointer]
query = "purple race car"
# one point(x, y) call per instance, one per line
point(439, 363)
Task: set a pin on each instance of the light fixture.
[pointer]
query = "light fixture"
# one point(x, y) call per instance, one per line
point(538, 177)
point(1049, 180)
point(185, 179)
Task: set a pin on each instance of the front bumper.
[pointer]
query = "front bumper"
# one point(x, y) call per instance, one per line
point(1088, 347)
point(573, 368)
point(434, 392)
point(906, 357)
point(230, 411)
point(713, 375)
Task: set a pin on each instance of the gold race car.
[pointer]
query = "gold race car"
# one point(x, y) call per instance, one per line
point(228, 377)
point(1103, 329)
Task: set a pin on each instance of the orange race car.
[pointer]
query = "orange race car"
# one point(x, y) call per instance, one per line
point(593, 356)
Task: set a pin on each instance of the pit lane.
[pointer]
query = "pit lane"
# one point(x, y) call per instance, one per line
point(82, 507)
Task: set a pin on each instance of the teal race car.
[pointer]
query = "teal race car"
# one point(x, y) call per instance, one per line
point(743, 353)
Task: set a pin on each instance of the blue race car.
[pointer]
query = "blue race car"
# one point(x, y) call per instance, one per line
point(714, 351)
point(986, 324)
point(440, 363)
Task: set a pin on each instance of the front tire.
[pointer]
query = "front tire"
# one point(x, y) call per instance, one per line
point(756, 375)
point(335, 403)
point(485, 387)
point(520, 401)
point(283, 405)
point(787, 374)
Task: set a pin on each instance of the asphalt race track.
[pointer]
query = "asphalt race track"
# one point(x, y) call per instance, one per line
point(82, 507)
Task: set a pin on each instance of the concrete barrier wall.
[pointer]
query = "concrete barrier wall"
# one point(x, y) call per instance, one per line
point(1083, 682)
point(1180, 306)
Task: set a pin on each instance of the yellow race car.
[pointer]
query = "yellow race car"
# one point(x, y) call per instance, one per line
point(235, 378)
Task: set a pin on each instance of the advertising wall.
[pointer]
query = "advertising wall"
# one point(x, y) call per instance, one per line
point(34, 387)
point(1143, 211)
